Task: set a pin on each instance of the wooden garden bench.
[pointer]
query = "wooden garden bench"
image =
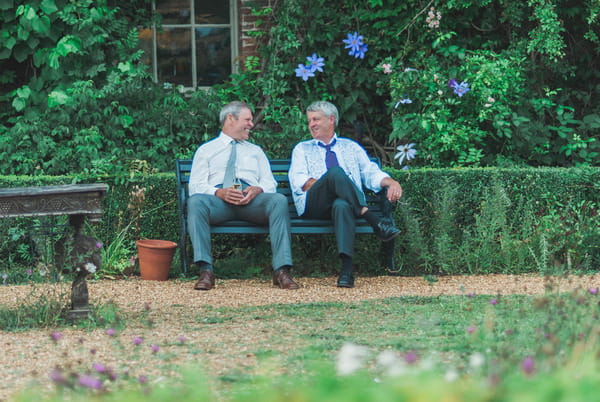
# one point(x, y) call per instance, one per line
point(378, 203)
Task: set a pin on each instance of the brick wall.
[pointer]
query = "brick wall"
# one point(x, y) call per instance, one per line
point(247, 22)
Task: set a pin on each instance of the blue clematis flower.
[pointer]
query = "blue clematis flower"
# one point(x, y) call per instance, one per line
point(406, 152)
point(360, 53)
point(315, 62)
point(305, 71)
point(403, 101)
point(353, 42)
point(461, 88)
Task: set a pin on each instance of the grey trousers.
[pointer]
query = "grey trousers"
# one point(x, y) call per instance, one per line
point(266, 209)
point(334, 196)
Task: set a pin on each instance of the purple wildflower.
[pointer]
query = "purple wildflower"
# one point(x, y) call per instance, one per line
point(182, 339)
point(57, 376)
point(528, 365)
point(98, 245)
point(137, 340)
point(471, 329)
point(304, 71)
point(111, 332)
point(154, 348)
point(143, 379)
point(89, 381)
point(99, 367)
point(593, 291)
point(452, 83)
point(493, 302)
point(56, 336)
point(410, 357)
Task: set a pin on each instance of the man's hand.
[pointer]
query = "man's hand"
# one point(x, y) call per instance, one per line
point(249, 194)
point(394, 191)
point(238, 197)
point(309, 183)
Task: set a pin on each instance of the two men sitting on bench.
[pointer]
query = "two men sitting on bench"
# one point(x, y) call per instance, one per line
point(231, 179)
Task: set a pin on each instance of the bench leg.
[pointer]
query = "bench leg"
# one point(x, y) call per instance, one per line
point(388, 255)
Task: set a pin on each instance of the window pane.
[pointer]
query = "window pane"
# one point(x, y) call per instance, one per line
point(145, 43)
point(174, 11)
point(212, 11)
point(213, 55)
point(174, 51)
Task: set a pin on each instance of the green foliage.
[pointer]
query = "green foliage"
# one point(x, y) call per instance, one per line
point(459, 221)
point(75, 96)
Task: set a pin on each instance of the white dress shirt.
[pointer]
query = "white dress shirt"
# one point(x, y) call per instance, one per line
point(210, 161)
point(308, 161)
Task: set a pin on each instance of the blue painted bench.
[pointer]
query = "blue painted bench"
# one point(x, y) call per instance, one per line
point(378, 203)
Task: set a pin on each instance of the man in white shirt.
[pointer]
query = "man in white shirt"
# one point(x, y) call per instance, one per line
point(326, 177)
point(255, 200)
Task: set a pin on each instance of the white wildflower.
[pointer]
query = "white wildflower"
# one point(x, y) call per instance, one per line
point(90, 267)
point(350, 358)
point(476, 360)
point(390, 364)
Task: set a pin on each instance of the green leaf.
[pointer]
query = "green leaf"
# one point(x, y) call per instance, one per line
point(41, 24)
point(48, 6)
point(57, 98)
point(126, 120)
point(124, 67)
point(21, 52)
point(30, 14)
point(19, 104)
point(68, 44)
point(24, 92)
point(10, 42)
point(4, 53)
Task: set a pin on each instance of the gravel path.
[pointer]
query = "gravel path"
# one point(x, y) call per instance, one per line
point(29, 356)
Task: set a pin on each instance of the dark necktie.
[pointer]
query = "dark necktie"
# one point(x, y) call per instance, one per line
point(230, 168)
point(330, 157)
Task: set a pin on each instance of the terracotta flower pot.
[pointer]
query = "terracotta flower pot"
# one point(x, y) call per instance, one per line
point(155, 257)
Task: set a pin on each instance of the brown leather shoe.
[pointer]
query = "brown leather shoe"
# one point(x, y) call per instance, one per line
point(206, 281)
point(283, 279)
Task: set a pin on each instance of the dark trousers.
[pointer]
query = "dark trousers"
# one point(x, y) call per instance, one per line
point(334, 196)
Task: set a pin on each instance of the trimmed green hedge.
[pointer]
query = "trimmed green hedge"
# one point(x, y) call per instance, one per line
point(454, 221)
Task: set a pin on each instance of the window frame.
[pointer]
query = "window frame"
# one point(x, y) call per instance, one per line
point(191, 26)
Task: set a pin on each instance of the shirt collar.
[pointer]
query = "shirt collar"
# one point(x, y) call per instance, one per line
point(317, 142)
point(227, 139)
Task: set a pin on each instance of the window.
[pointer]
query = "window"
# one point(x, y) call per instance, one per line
point(196, 43)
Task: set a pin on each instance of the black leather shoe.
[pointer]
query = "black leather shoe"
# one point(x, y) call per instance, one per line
point(346, 280)
point(387, 231)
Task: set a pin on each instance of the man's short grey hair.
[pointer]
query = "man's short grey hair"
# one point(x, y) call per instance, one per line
point(233, 108)
point(327, 108)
